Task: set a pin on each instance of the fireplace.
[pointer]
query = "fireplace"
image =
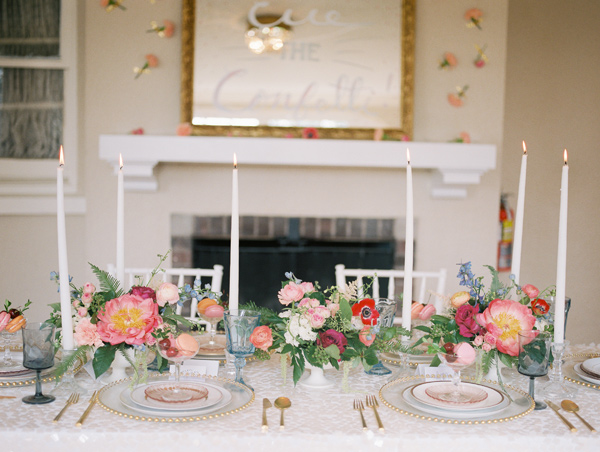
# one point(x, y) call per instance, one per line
point(272, 246)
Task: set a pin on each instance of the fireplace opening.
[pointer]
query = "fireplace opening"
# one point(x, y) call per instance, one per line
point(263, 263)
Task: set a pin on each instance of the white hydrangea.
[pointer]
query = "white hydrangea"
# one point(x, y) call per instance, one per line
point(357, 322)
point(300, 326)
point(285, 314)
point(290, 339)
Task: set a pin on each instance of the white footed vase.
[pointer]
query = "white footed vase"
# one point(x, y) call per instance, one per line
point(317, 378)
point(119, 367)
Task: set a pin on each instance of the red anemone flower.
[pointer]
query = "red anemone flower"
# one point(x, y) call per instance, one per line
point(366, 309)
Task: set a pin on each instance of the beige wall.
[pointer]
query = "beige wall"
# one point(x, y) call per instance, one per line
point(553, 102)
point(447, 231)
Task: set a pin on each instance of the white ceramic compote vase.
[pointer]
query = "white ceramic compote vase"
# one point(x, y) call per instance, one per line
point(177, 348)
point(457, 357)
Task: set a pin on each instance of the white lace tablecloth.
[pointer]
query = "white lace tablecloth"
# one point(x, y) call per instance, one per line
point(319, 420)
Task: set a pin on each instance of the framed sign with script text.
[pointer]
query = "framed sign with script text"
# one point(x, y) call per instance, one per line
point(278, 67)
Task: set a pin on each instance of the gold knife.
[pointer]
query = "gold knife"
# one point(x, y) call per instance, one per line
point(266, 405)
point(564, 419)
point(87, 410)
point(7, 397)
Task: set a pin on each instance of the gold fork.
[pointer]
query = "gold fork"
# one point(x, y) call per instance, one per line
point(72, 400)
point(87, 410)
point(373, 403)
point(358, 405)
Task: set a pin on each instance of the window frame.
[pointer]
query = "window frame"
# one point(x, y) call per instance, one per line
point(21, 178)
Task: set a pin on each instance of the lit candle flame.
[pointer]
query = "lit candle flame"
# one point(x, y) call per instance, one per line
point(524, 147)
point(234, 160)
point(565, 156)
point(408, 155)
point(120, 161)
point(61, 156)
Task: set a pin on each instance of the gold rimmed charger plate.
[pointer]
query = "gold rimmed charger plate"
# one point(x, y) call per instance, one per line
point(413, 360)
point(569, 368)
point(109, 399)
point(391, 394)
point(27, 379)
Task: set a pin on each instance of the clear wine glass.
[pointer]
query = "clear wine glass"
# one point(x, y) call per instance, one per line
point(179, 347)
point(534, 353)
point(213, 314)
point(239, 325)
point(386, 307)
point(6, 339)
point(38, 354)
point(456, 393)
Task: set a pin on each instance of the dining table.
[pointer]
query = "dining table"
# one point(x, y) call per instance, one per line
point(319, 419)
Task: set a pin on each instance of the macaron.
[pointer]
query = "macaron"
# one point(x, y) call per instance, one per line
point(205, 303)
point(214, 311)
point(16, 324)
point(187, 345)
point(465, 353)
point(415, 310)
point(4, 319)
point(427, 311)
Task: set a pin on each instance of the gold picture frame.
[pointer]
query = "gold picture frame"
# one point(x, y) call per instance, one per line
point(406, 88)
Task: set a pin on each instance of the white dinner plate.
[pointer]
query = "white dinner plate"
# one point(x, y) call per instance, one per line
point(218, 397)
point(584, 376)
point(591, 367)
point(492, 400)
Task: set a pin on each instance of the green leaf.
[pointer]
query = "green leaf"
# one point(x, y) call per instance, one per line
point(424, 328)
point(103, 358)
point(333, 351)
point(345, 309)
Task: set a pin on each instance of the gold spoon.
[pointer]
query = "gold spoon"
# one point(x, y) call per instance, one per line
point(572, 407)
point(282, 403)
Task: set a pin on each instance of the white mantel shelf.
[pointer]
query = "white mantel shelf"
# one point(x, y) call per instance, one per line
point(457, 165)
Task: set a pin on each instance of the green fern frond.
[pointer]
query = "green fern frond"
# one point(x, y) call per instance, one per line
point(108, 283)
point(72, 361)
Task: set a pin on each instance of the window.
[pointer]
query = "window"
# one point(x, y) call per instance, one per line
point(38, 96)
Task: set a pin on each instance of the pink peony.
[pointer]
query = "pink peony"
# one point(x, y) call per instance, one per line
point(330, 337)
point(86, 333)
point(530, 290)
point(308, 287)
point(262, 337)
point(290, 293)
point(89, 288)
point(465, 319)
point(129, 319)
point(365, 336)
point(167, 293)
point(504, 319)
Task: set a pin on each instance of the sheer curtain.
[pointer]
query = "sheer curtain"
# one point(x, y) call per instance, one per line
point(31, 98)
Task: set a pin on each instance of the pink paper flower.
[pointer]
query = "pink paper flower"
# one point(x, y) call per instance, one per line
point(164, 31)
point(457, 99)
point(473, 17)
point(138, 131)
point(504, 319)
point(167, 293)
point(184, 129)
point(151, 61)
point(128, 319)
point(449, 61)
point(262, 337)
point(86, 333)
point(109, 5)
point(290, 293)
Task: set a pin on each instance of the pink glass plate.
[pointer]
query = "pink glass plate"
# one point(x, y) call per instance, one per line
point(176, 393)
point(469, 394)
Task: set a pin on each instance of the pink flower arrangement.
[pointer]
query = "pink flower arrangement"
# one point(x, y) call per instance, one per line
point(290, 293)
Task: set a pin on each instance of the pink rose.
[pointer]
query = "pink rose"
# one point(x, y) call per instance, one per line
point(262, 337)
point(82, 312)
point(143, 292)
point(489, 338)
point(89, 288)
point(308, 303)
point(333, 308)
point(308, 287)
point(530, 290)
point(465, 319)
point(365, 336)
point(316, 321)
point(86, 298)
point(167, 293)
point(86, 333)
point(290, 293)
point(330, 337)
point(478, 340)
point(75, 304)
point(486, 347)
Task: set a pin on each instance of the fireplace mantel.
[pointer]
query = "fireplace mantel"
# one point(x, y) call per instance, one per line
point(455, 165)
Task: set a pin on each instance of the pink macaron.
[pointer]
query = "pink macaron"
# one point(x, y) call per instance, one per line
point(214, 311)
point(4, 319)
point(427, 311)
point(187, 345)
point(415, 310)
point(465, 353)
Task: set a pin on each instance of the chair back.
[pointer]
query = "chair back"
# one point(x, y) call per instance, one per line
point(427, 281)
point(179, 277)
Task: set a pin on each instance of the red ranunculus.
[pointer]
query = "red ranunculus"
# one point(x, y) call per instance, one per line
point(332, 337)
point(366, 310)
point(143, 292)
point(465, 319)
point(540, 307)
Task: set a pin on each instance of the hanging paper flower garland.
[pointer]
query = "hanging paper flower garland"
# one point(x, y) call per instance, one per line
point(151, 61)
point(448, 62)
point(473, 17)
point(164, 31)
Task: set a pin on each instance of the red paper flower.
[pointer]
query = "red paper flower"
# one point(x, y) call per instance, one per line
point(366, 310)
point(310, 132)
